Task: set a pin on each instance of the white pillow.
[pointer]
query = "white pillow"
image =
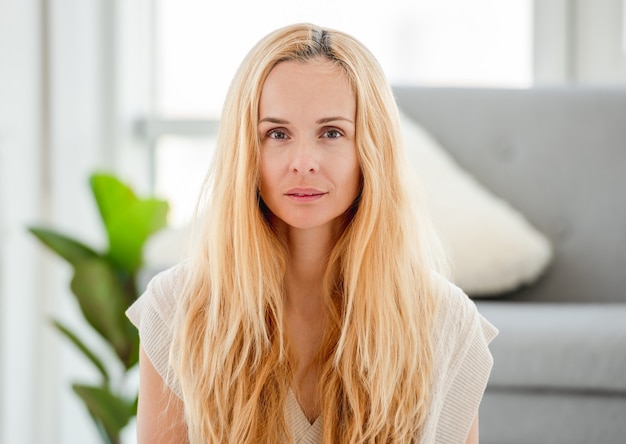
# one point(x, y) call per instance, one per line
point(492, 248)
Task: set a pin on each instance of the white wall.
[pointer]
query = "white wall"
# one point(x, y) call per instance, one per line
point(63, 68)
point(80, 139)
point(600, 39)
point(580, 42)
point(20, 202)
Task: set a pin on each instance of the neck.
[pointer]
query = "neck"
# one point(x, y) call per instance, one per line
point(308, 252)
point(305, 308)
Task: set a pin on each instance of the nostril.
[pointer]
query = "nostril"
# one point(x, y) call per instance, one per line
point(300, 168)
point(303, 162)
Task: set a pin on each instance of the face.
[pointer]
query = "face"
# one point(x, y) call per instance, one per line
point(310, 172)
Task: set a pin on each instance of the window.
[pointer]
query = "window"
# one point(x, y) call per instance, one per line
point(199, 45)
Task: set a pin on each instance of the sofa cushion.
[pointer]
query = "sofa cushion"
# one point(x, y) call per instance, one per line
point(493, 248)
point(547, 417)
point(557, 154)
point(558, 346)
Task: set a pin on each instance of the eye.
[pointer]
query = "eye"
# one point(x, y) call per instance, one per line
point(277, 134)
point(332, 133)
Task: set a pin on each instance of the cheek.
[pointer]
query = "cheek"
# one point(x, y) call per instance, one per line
point(356, 183)
point(355, 176)
point(268, 180)
point(264, 174)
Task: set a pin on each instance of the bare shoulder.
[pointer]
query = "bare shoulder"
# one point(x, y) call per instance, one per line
point(160, 413)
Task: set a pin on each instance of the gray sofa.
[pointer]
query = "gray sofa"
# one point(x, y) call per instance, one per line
point(558, 155)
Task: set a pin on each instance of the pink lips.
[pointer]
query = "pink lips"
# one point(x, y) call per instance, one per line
point(304, 194)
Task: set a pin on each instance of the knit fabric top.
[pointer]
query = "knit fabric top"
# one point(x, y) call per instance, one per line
point(461, 359)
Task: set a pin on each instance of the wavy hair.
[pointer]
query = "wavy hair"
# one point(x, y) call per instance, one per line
point(230, 352)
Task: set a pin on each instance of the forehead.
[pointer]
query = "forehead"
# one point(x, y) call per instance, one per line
point(316, 83)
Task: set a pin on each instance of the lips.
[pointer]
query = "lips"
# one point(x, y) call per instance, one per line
point(305, 194)
point(300, 192)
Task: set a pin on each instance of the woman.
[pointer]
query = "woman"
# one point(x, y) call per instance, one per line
point(313, 307)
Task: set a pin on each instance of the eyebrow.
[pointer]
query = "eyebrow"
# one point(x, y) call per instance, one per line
point(274, 120)
point(318, 122)
point(332, 119)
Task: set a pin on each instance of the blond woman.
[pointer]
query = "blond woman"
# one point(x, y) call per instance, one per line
point(313, 307)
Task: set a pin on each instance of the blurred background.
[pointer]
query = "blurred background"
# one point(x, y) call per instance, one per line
point(135, 87)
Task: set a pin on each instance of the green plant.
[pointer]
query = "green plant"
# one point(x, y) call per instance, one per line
point(105, 285)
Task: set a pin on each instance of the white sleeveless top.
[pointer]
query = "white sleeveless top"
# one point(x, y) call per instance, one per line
point(461, 360)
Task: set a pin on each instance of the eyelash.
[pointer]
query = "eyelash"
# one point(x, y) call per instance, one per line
point(283, 133)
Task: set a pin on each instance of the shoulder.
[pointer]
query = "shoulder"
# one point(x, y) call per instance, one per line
point(168, 283)
point(457, 319)
point(462, 363)
point(161, 295)
point(461, 335)
point(153, 315)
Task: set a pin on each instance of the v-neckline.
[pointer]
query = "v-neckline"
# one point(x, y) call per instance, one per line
point(303, 431)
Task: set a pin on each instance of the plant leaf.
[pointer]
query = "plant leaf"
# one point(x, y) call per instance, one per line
point(103, 301)
point(131, 228)
point(107, 408)
point(69, 249)
point(106, 439)
point(83, 348)
point(110, 194)
point(128, 220)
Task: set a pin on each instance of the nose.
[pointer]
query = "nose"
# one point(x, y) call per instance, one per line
point(304, 160)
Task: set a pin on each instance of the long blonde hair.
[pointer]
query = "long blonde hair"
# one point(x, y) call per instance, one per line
point(230, 353)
